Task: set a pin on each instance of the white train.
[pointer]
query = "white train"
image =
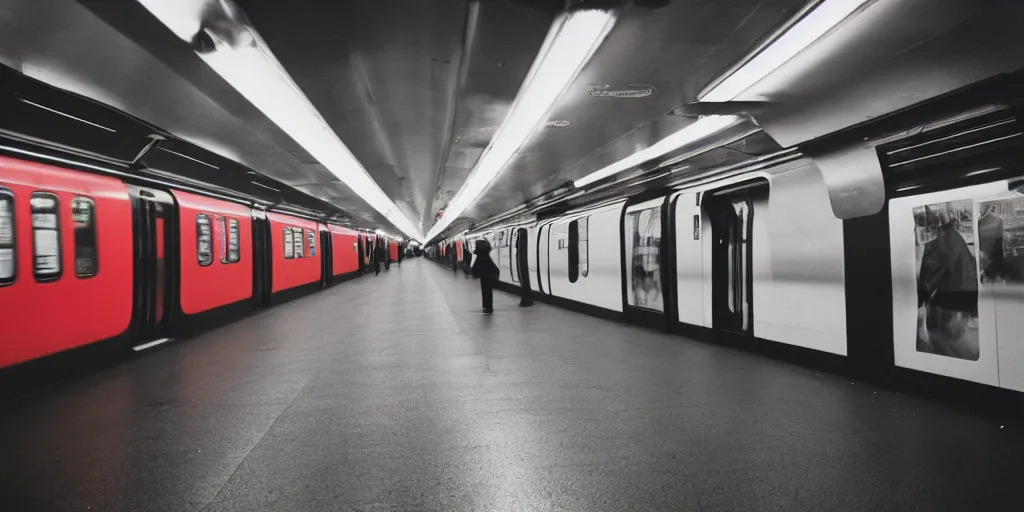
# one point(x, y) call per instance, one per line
point(933, 283)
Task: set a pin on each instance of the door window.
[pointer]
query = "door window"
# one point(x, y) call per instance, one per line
point(583, 251)
point(83, 215)
point(204, 240)
point(574, 251)
point(289, 244)
point(234, 248)
point(643, 234)
point(222, 238)
point(311, 238)
point(45, 236)
point(297, 243)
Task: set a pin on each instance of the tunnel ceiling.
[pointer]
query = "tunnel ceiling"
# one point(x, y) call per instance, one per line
point(415, 88)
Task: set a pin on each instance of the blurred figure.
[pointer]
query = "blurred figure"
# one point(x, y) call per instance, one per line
point(485, 269)
point(378, 254)
point(948, 293)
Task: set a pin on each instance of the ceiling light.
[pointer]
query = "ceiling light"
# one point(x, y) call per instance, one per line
point(573, 38)
point(257, 75)
point(815, 24)
point(812, 26)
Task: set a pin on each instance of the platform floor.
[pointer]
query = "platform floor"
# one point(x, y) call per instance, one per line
point(393, 393)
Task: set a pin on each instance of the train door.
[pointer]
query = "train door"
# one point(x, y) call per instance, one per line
point(154, 223)
point(326, 257)
point(646, 284)
point(514, 256)
point(262, 273)
point(731, 212)
point(521, 260)
point(543, 259)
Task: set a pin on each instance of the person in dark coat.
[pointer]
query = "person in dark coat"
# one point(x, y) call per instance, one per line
point(485, 269)
point(378, 255)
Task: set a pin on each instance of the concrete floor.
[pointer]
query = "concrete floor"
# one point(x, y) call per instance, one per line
point(393, 393)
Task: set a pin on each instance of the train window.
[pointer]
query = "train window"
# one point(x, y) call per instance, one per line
point(300, 251)
point(204, 240)
point(234, 247)
point(221, 228)
point(45, 235)
point(311, 237)
point(584, 246)
point(83, 215)
point(289, 246)
point(574, 251)
point(6, 237)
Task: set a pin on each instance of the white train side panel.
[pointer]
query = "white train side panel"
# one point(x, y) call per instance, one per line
point(602, 284)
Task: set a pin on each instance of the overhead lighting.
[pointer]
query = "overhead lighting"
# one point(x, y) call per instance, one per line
point(573, 38)
point(815, 24)
point(811, 27)
point(701, 128)
point(257, 75)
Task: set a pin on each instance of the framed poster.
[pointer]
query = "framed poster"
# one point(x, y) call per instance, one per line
point(943, 320)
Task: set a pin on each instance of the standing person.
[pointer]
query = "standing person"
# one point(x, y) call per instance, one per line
point(454, 257)
point(379, 254)
point(374, 250)
point(485, 269)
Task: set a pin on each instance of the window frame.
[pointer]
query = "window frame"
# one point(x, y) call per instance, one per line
point(311, 241)
point(199, 241)
point(94, 235)
point(46, 278)
point(7, 195)
point(288, 242)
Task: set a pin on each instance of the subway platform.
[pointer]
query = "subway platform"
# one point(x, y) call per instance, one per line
point(392, 393)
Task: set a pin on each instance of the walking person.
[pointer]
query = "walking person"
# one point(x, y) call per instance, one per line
point(453, 254)
point(485, 269)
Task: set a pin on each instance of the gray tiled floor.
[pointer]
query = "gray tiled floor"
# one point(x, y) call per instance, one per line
point(393, 393)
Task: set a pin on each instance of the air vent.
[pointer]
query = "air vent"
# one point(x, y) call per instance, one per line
point(626, 92)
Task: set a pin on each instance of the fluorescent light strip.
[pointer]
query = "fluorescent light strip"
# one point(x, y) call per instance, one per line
point(805, 32)
point(257, 75)
point(571, 41)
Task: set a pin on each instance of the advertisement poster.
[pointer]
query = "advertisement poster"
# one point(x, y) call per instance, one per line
point(1001, 241)
point(947, 279)
point(644, 235)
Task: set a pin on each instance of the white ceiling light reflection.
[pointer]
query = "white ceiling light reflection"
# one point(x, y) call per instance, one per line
point(573, 38)
point(250, 67)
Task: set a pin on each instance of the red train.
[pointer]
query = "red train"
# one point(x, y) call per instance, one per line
point(97, 250)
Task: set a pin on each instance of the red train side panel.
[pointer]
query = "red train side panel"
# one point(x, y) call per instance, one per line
point(346, 252)
point(393, 250)
point(225, 277)
point(293, 266)
point(89, 298)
